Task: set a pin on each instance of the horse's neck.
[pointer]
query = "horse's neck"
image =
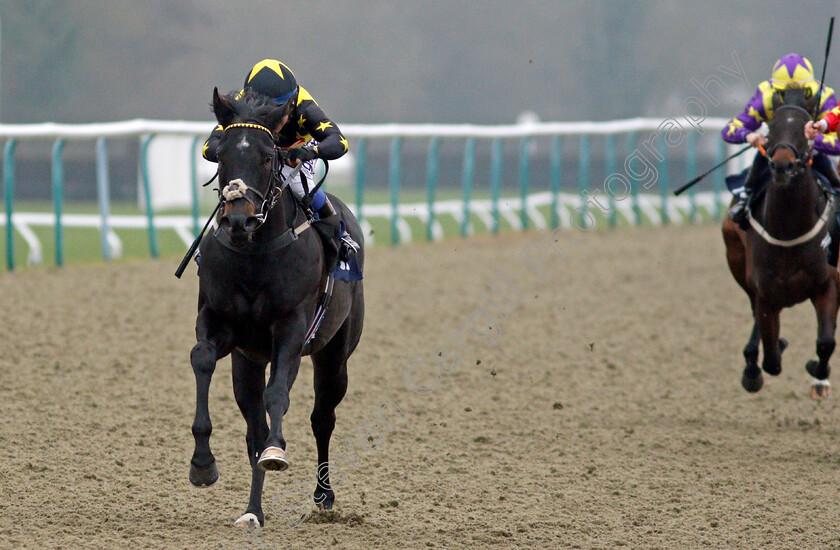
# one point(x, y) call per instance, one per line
point(791, 210)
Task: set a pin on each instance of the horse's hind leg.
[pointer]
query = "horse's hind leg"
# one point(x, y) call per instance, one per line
point(330, 386)
point(211, 346)
point(248, 387)
point(826, 307)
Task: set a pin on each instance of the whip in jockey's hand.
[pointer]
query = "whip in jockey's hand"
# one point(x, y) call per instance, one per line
point(755, 139)
point(813, 129)
point(792, 78)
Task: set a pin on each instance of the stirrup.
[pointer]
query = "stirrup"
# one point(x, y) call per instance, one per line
point(347, 248)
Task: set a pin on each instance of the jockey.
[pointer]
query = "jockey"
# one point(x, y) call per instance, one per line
point(792, 81)
point(305, 132)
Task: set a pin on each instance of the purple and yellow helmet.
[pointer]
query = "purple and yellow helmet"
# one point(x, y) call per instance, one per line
point(792, 71)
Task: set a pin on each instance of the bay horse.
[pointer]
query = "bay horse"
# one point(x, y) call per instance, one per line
point(262, 276)
point(779, 260)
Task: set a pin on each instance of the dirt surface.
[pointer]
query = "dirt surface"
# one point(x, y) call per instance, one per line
point(603, 411)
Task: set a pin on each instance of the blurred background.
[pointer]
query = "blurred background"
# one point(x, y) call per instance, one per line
point(375, 61)
point(369, 61)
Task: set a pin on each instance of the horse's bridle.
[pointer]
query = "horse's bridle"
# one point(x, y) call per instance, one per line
point(278, 183)
point(802, 162)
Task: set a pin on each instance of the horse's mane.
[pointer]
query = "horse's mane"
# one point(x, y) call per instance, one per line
point(250, 106)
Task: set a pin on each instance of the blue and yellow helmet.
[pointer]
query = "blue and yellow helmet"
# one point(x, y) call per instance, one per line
point(273, 79)
point(792, 71)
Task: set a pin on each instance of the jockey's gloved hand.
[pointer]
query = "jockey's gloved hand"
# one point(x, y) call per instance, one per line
point(302, 154)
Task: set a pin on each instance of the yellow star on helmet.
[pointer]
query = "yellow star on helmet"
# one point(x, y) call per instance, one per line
point(344, 142)
point(324, 125)
point(272, 64)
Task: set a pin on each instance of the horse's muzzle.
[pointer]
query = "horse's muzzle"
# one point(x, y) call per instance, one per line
point(240, 227)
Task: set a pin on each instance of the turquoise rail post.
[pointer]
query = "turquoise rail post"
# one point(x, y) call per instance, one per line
point(583, 168)
point(361, 165)
point(663, 180)
point(58, 198)
point(8, 195)
point(690, 171)
point(717, 179)
point(524, 179)
point(495, 181)
point(634, 186)
point(195, 184)
point(431, 184)
point(556, 167)
point(609, 144)
point(147, 194)
point(394, 185)
point(102, 191)
point(468, 176)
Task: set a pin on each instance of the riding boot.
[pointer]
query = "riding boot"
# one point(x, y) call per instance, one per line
point(327, 210)
point(739, 213)
point(347, 247)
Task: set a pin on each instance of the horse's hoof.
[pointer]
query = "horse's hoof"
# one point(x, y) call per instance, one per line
point(813, 368)
point(273, 459)
point(783, 344)
point(324, 500)
point(752, 384)
point(248, 519)
point(772, 370)
point(820, 389)
point(204, 476)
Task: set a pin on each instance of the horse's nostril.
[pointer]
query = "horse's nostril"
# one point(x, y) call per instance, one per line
point(251, 223)
point(225, 222)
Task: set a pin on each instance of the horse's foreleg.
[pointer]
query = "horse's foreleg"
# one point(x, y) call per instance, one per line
point(826, 308)
point(288, 344)
point(751, 379)
point(248, 387)
point(210, 347)
point(767, 321)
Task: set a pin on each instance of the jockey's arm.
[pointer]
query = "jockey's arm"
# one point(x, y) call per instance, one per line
point(743, 127)
point(209, 149)
point(331, 142)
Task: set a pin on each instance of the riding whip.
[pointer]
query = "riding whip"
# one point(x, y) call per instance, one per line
point(710, 170)
point(825, 64)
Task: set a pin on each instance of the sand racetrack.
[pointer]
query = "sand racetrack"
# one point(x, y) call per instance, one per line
point(604, 411)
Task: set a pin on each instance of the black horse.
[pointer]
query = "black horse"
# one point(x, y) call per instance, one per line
point(263, 275)
point(779, 261)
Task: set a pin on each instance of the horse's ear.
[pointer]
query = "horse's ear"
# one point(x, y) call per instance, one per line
point(222, 108)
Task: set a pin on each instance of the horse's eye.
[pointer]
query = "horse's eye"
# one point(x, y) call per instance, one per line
point(268, 159)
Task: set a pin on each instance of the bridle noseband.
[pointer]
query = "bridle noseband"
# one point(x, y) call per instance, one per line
point(275, 190)
point(802, 162)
